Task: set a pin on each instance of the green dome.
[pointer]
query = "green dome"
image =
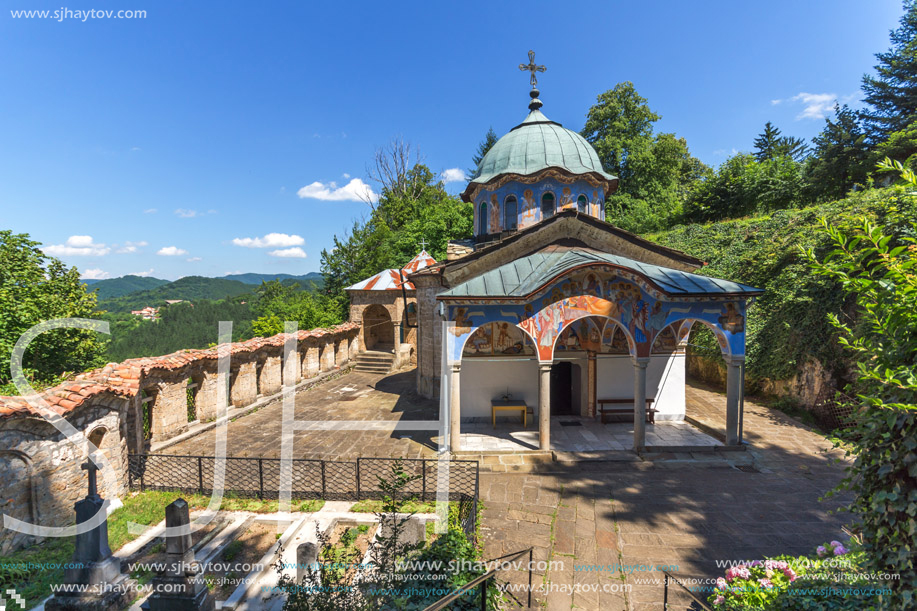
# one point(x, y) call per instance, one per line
point(536, 144)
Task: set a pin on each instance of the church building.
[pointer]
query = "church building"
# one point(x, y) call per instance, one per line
point(558, 312)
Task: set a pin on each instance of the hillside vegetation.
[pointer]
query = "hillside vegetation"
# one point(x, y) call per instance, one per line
point(788, 325)
point(118, 287)
point(189, 288)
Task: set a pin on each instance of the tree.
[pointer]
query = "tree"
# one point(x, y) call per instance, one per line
point(653, 171)
point(839, 159)
point(391, 236)
point(35, 288)
point(619, 125)
point(490, 139)
point(879, 271)
point(743, 186)
point(892, 92)
point(770, 144)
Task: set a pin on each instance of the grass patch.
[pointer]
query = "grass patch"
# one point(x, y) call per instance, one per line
point(406, 506)
point(147, 508)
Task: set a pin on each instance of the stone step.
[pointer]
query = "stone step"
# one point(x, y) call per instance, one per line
point(374, 359)
point(360, 369)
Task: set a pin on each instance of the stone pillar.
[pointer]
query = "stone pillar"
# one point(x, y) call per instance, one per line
point(640, 364)
point(342, 355)
point(455, 409)
point(311, 365)
point(544, 406)
point(244, 385)
point(734, 393)
point(591, 384)
point(327, 358)
point(179, 587)
point(271, 375)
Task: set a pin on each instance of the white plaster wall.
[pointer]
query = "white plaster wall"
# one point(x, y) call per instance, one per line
point(482, 381)
point(665, 382)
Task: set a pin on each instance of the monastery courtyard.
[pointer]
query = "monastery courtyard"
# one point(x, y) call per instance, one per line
point(682, 510)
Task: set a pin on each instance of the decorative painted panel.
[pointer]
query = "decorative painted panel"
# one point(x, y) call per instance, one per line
point(528, 196)
point(639, 310)
point(500, 339)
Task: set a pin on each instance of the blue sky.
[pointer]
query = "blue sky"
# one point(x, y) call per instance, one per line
point(204, 139)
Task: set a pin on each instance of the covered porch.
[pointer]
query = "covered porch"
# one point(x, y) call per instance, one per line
point(569, 333)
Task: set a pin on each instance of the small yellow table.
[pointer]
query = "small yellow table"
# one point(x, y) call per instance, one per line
point(503, 406)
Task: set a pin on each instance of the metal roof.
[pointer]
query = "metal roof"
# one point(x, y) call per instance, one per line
point(535, 144)
point(522, 277)
point(391, 280)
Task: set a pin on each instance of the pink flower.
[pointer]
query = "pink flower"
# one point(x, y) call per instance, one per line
point(835, 544)
point(821, 551)
point(840, 550)
point(719, 600)
point(721, 584)
point(790, 574)
point(766, 583)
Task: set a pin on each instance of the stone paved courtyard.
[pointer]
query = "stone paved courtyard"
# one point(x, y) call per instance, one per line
point(686, 511)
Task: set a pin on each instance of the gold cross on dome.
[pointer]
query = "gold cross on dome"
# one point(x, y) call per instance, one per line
point(533, 68)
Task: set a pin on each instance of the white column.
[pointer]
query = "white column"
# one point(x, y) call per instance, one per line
point(734, 392)
point(640, 364)
point(544, 406)
point(455, 410)
point(590, 382)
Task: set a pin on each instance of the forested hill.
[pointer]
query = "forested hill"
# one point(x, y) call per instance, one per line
point(304, 280)
point(118, 287)
point(189, 288)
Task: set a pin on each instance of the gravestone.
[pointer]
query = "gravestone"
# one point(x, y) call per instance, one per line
point(306, 555)
point(179, 587)
point(95, 582)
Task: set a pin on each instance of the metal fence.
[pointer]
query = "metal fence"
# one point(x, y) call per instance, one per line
point(331, 480)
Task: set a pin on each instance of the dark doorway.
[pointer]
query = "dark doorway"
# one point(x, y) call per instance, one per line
point(562, 389)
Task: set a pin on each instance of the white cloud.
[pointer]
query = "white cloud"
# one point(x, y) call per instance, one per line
point(94, 274)
point(149, 272)
point(453, 175)
point(171, 251)
point(346, 176)
point(150, 211)
point(193, 259)
point(289, 253)
point(134, 149)
point(816, 105)
point(354, 191)
point(131, 247)
point(271, 240)
point(185, 213)
point(78, 245)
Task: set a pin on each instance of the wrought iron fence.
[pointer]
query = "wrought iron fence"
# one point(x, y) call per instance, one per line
point(331, 480)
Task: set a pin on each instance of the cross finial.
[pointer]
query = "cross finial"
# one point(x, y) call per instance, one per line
point(91, 467)
point(533, 68)
point(423, 244)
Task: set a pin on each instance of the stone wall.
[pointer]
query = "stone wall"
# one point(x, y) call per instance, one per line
point(811, 385)
point(429, 323)
point(40, 474)
point(129, 406)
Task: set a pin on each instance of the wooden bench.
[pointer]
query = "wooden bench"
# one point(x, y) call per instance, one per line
point(511, 406)
point(627, 408)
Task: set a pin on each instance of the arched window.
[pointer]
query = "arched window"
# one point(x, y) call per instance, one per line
point(509, 212)
point(482, 219)
point(582, 204)
point(547, 205)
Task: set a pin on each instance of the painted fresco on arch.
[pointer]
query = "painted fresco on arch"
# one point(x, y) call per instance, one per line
point(614, 341)
point(598, 291)
point(499, 338)
point(481, 341)
point(665, 342)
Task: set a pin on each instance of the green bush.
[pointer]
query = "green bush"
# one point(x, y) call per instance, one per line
point(788, 325)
